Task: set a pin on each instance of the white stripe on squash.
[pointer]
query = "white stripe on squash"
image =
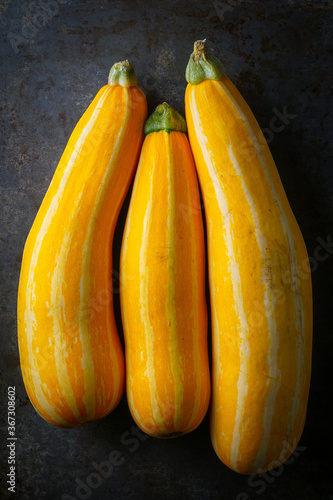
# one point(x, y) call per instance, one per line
point(144, 286)
point(269, 299)
point(87, 362)
point(30, 297)
point(293, 265)
point(56, 304)
point(233, 269)
point(175, 361)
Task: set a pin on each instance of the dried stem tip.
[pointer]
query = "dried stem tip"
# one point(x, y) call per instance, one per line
point(203, 65)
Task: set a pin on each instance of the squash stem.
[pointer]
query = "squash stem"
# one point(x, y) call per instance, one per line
point(122, 73)
point(203, 65)
point(165, 118)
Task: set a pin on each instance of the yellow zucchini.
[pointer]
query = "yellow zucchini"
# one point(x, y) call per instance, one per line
point(261, 299)
point(162, 273)
point(71, 357)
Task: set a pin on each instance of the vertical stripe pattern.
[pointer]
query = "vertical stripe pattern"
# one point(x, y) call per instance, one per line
point(261, 305)
point(71, 357)
point(163, 291)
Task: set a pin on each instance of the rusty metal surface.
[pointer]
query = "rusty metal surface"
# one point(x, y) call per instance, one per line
point(54, 58)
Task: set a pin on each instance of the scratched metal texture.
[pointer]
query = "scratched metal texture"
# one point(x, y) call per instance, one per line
point(55, 56)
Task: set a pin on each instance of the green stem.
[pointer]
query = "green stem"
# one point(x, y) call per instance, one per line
point(165, 118)
point(122, 73)
point(203, 65)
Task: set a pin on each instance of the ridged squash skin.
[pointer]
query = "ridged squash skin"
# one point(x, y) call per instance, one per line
point(162, 275)
point(71, 357)
point(260, 284)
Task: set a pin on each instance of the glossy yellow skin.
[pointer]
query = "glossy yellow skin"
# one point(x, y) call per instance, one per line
point(71, 357)
point(162, 272)
point(260, 285)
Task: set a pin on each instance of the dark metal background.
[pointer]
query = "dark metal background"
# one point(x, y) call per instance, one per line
point(55, 55)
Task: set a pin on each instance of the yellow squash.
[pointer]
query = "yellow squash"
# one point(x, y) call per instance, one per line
point(259, 278)
point(71, 357)
point(162, 272)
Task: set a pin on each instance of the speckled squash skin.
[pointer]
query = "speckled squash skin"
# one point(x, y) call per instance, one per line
point(259, 278)
point(71, 357)
point(162, 271)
